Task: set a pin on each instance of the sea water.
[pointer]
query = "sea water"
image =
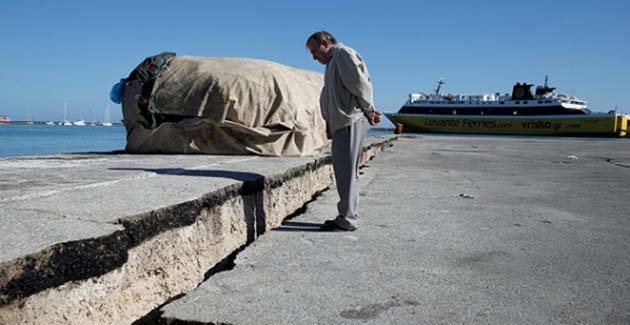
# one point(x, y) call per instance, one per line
point(32, 140)
point(29, 140)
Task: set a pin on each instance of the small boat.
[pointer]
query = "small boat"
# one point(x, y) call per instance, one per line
point(79, 123)
point(5, 119)
point(522, 112)
point(65, 116)
point(106, 122)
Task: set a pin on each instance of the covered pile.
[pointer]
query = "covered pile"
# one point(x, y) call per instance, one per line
point(183, 104)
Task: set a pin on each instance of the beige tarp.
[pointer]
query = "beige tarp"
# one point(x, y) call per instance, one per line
point(228, 106)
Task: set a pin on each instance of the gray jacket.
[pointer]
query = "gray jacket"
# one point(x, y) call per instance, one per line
point(347, 95)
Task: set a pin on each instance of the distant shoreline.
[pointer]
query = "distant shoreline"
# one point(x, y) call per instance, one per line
point(57, 123)
point(120, 124)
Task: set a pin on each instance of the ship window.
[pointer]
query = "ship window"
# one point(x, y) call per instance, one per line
point(524, 102)
point(517, 102)
point(547, 102)
point(540, 102)
point(501, 102)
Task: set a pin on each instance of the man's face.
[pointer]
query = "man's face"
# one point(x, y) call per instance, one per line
point(319, 51)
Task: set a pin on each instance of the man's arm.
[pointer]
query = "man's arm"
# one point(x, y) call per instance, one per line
point(355, 77)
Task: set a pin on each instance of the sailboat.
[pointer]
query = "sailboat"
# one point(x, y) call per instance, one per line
point(79, 123)
point(106, 122)
point(65, 115)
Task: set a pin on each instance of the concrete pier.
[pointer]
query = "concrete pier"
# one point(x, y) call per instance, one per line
point(105, 239)
point(456, 230)
point(475, 229)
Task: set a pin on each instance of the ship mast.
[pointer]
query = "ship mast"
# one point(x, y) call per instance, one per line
point(440, 83)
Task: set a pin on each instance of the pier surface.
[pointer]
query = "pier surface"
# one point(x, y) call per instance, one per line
point(454, 230)
point(107, 238)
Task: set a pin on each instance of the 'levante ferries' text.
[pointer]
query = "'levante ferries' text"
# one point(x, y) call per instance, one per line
point(484, 124)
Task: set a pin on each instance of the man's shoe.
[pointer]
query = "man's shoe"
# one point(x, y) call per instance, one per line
point(331, 225)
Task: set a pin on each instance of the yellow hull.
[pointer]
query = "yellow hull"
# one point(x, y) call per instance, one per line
point(584, 125)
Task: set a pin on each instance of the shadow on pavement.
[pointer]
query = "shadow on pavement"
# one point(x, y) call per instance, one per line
point(300, 226)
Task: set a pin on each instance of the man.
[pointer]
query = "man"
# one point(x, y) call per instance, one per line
point(347, 107)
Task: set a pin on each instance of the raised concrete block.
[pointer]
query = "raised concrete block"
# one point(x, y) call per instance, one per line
point(129, 232)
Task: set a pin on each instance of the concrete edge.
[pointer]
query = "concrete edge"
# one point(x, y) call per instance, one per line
point(60, 263)
point(74, 262)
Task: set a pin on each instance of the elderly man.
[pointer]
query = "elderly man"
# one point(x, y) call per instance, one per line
point(347, 106)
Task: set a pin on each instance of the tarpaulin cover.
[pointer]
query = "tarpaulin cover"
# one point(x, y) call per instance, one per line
point(223, 106)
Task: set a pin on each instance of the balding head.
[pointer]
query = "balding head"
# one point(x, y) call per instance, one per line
point(319, 43)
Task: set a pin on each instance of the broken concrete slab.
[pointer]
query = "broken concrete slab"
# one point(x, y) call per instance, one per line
point(538, 242)
point(157, 241)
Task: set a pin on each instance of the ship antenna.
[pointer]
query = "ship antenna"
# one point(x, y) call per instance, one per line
point(440, 83)
point(546, 81)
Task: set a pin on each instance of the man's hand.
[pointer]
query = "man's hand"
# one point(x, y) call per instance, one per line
point(376, 118)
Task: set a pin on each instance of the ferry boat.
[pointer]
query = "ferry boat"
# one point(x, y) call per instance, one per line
point(5, 119)
point(544, 112)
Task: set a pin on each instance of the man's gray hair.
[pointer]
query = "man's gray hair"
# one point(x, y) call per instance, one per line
point(322, 36)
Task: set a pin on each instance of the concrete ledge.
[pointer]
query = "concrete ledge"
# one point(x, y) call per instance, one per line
point(454, 230)
point(131, 264)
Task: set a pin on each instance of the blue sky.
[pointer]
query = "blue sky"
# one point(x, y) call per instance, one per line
point(73, 51)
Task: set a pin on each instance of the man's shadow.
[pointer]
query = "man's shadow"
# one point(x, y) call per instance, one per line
point(239, 176)
point(292, 226)
point(254, 211)
point(251, 192)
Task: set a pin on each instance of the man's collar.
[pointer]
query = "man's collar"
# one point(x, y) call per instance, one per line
point(332, 50)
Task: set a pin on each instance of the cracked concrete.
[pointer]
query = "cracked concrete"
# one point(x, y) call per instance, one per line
point(107, 238)
point(531, 242)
